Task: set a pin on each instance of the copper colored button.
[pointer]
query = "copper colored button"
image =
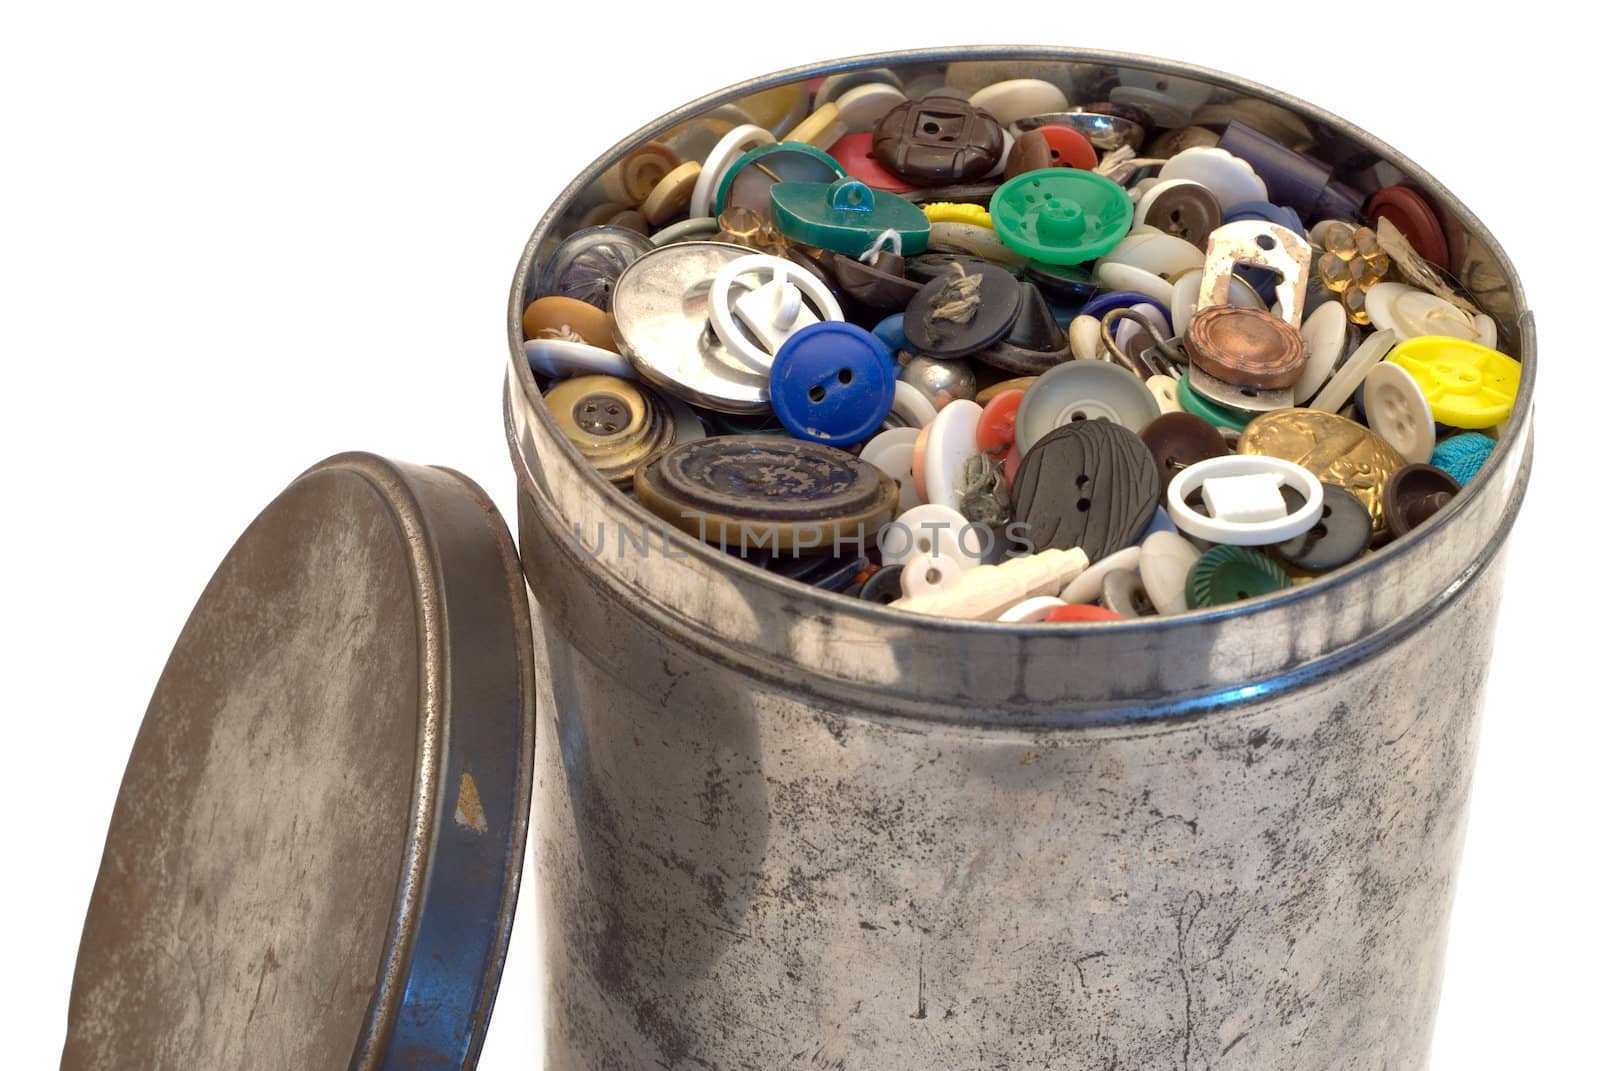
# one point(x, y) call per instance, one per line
point(1245, 347)
point(743, 491)
point(1186, 209)
point(1415, 493)
point(1178, 440)
point(938, 140)
point(1030, 152)
point(567, 319)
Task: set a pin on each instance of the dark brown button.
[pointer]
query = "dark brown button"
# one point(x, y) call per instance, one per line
point(1034, 343)
point(1178, 440)
point(753, 491)
point(1030, 152)
point(1245, 347)
point(937, 141)
point(1415, 493)
point(1339, 537)
point(966, 308)
point(1091, 484)
point(880, 285)
point(1186, 209)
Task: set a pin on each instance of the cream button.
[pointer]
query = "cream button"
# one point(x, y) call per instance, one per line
point(891, 451)
point(1031, 609)
point(1087, 585)
point(1019, 98)
point(924, 574)
point(1165, 559)
point(1399, 411)
point(936, 530)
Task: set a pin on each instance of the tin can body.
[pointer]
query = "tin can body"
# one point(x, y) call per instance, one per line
point(773, 828)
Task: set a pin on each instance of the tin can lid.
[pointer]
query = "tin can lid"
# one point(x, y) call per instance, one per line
point(315, 852)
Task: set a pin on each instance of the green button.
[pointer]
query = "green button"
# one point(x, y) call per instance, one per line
point(847, 216)
point(1218, 416)
point(1230, 574)
point(1061, 215)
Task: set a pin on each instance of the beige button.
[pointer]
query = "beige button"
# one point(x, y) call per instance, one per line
point(821, 128)
point(567, 319)
point(617, 425)
point(671, 195)
point(1399, 411)
point(631, 179)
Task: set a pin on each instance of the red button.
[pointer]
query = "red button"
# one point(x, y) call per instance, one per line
point(854, 154)
point(1070, 148)
point(997, 426)
point(1081, 611)
point(1409, 212)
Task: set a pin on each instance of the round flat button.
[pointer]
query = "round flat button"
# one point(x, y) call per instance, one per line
point(912, 407)
point(1467, 385)
point(1069, 147)
point(671, 195)
point(1178, 440)
point(832, 382)
point(891, 451)
point(1333, 448)
point(963, 310)
point(1126, 277)
point(863, 107)
point(1165, 559)
point(1398, 410)
point(925, 574)
point(854, 153)
point(1091, 485)
point(1411, 313)
point(835, 86)
point(615, 424)
point(1083, 392)
point(1415, 493)
point(997, 427)
point(1411, 216)
point(1232, 574)
point(1080, 612)
point(1123, 593)
point(755, 490)
point(952, 444)
point(1030, 152)
point(632, 179)
point(554, 357)
point(1461, 456)
point(1061, 216)
point(938, 141)
point(1182, 208)
point(1339, 537)
point(994, 390)
point(566, 319)
point(749, 180)
point(1229, 178)
point(662, 313)
point(734, 144)
point(1018, 98)
point(1245, 347)
point(1325, 332)
point(1086, 586)
point(1161, 254)
point(587, 265)
point(932, 529)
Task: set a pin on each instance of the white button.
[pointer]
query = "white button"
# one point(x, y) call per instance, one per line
point(862, 107)
point(1399, 411)
point(1324, 331)
point(1165, 389)
point(1114, 276)
point(1331, 398)
point(772, 311)
point(1158, 252)
point(952, 442)
point(1250, 499)
point(1085, 587)
point(1034, 609)
point(984, 593)
point(734, 144)
point(1019, 98)
point(1231, 179)
point(891, 451)
point(1164, 563)
point(1186, 297)
point(912, 406)
point(924, 574)
point(561, 358)
point(1410, 312)
point(1244, 533)
point(936, 530)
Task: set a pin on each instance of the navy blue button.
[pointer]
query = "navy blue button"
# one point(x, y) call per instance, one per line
point(1101, 304)
point(1267, 212)
point(832, 383)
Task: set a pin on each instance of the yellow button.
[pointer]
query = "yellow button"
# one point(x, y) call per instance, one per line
point(945, 212)
point(1467, 385)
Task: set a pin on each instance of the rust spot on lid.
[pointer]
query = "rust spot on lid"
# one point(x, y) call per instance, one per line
point(469, 809)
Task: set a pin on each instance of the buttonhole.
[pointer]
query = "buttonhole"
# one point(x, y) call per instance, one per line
point(924, 544)
point(1080, 415)
point(930, 128)
point(1082, 481)
point(1083, 505)
point(816, 393)
point(933, 575)
point(845, 375)
point(1266, 241)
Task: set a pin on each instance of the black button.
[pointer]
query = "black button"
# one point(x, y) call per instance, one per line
point(966, 308)
point(1339, 537)
point(1090, 484)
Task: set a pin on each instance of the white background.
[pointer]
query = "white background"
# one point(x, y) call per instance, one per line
point(238, 239)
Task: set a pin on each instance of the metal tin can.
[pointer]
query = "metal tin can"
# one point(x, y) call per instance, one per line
point(775, 826)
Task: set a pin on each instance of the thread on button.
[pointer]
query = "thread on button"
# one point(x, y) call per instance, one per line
point(957, 300)
point(889, 239)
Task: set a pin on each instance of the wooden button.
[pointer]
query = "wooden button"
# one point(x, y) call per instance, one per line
point(1091, 485)
point(567, 319)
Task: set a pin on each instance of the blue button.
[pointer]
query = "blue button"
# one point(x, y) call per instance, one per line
point(891, 331)
point(1267, 212)
point(832, 383)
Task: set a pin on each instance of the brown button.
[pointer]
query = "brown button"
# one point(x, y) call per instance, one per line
point(1030, 152)
point(631, 179)
point(1178, 440)
point(1245, 347)
point(1186, 209)
point(569, 320)
point(938, 140)
point(617, 425)
point(1415, 493)
point(880, 285)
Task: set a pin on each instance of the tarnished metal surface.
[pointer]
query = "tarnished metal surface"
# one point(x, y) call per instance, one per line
point(316, 846)
point(780, 828)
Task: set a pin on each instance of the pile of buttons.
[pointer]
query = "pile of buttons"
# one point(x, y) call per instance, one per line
point(983, 352)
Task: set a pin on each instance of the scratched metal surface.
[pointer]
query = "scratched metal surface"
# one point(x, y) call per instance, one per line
point(315, 850)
